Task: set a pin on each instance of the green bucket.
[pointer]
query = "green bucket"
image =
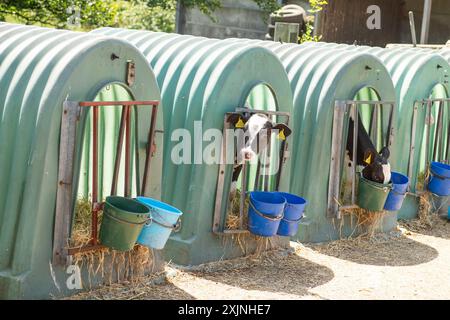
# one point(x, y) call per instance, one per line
point(372, 195)
point(123, 220)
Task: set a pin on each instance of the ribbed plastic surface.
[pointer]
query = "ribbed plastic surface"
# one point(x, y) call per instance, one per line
point(40, 68)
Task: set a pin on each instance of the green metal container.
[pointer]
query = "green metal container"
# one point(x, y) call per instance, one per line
point(123, 220)
point(372, 195)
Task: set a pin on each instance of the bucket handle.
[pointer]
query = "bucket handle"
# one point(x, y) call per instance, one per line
point(125, 221)
point(438, 176)
point(385, 189)
point(298, 220)
point(175, 227)
point(269, 217)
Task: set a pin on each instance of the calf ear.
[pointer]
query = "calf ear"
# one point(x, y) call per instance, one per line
point(385, 153)
point(237, 120)
point(283, 129)
point(369, 156)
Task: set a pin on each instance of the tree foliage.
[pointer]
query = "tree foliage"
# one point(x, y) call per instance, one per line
point(138, 15)
point(58, 13)
point(316, 6)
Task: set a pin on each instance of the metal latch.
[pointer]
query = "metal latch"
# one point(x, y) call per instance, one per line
point(131, 73)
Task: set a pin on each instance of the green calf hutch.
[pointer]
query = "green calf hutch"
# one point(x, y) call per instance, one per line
point(45, 132)
point(328, 85)
point(202, 80)
point(421, 79)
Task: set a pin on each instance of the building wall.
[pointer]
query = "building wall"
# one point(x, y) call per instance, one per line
point(440, 21)
point(236, 19)
point(342, 21)
point(345, 21)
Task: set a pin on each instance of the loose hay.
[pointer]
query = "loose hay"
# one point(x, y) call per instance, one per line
point(428, 220)
point(367, 223)
point(425, 210)
point(106, 264)
point(422, 178)
point(81, 229)
point(163, 285)
point(233, 213)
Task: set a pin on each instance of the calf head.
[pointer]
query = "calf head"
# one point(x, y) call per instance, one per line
point(257, 129)
point(377, 167)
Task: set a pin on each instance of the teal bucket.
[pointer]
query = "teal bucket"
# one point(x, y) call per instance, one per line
point(165, 219)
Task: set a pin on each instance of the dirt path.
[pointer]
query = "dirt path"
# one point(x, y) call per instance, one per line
point(403, 265)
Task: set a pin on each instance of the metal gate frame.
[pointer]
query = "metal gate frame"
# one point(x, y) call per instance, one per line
point(63, 213)
point(284, 154)
point(341, 108)
point(428, 105)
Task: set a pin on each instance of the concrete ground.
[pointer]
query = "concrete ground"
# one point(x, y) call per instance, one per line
point(412, 263)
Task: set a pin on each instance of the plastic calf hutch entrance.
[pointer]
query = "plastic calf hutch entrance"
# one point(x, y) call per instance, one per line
point(436, 149)
point(221, 209)
point(341, 109)
point(70, 117)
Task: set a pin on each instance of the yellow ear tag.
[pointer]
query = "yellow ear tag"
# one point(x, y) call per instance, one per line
point(281, 135)
point(369, 159)
point(240, 124)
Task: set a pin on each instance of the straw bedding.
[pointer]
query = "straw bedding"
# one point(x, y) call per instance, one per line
point(106, 264)
point(263, 271)
point(232, 220)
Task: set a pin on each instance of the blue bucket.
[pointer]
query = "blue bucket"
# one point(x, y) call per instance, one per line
point(396, 196)
point(164, 219)
point(265, 213)
point(439, 183)
point(293, 213)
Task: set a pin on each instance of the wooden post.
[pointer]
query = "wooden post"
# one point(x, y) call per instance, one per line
point(335, 163)
point(413, 141)
point(217, 227)
point(63, 212)
point(355, 149)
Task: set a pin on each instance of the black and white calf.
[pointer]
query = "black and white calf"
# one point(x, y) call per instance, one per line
point(257, 129)
point(376, 165)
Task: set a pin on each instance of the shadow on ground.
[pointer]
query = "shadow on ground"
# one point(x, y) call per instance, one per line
point(280, 272)
point(435, 227)
point(392, 251)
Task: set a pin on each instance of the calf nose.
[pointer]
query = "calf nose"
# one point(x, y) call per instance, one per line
point(248, 155)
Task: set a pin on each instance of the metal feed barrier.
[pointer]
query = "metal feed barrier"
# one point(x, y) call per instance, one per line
point(220, 213)
point(70, 117)
point(439, 139)
point(341, 108)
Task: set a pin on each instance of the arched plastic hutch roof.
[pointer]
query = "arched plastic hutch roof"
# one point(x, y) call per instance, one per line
point(41, 68)
point(202, 79)
point(445, 52)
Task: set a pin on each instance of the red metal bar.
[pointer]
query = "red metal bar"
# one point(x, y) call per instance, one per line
point(118, 103)
point(151, 138)
point(127, 152)
point(123, 122)
point(95, 177)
